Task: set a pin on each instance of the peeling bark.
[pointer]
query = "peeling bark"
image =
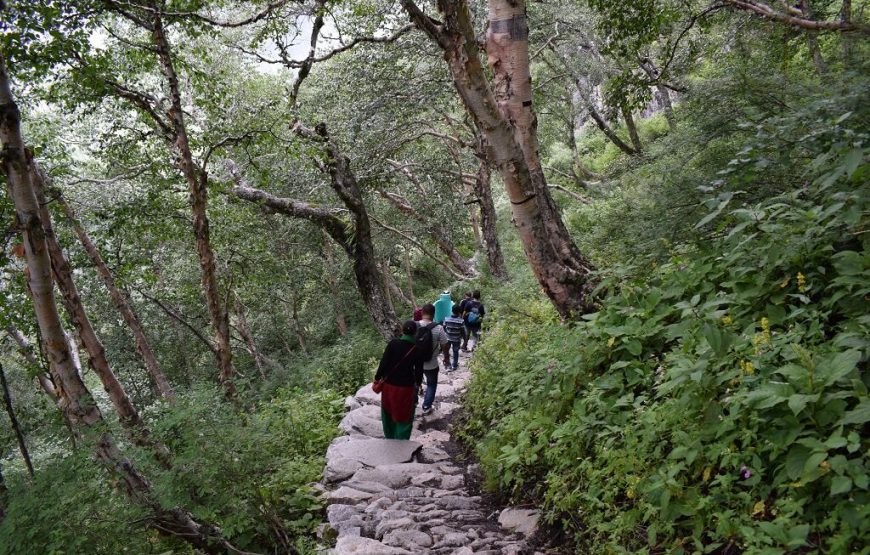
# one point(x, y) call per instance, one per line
point(509, 126)
point(483, 192)
point(26, 351)
point(143, 346)
point(74, 399)
point(197, 180)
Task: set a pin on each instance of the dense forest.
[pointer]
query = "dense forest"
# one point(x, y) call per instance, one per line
point(216, 212)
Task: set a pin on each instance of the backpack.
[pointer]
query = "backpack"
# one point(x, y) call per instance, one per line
point(424, 340)
point(473, 315)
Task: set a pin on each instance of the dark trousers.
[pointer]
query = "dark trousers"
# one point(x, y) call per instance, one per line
point(431, 387)
point(454, 346)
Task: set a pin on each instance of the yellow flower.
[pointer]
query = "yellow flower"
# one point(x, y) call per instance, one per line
point(825, 465)
point(802, 282)
point(707, 472)
point(629, 493)
point(727, 321)
point(611, 341)
point(747, 367)
point(758, 508)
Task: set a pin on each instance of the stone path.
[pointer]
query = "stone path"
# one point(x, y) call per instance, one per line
point(392, 497)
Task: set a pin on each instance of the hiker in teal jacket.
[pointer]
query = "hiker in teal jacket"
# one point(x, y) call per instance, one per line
point(443, 307)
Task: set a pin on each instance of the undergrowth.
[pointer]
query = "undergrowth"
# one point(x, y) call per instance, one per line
point(717, 402)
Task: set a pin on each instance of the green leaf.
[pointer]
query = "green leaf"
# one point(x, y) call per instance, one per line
point(795, 461)
point(858, 415)
point(841, 484)
point(634, 347)
point(841, 365)
point(798, 402)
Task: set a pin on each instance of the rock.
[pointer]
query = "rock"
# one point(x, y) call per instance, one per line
point(370, 487)
point(426, 479)
point(338, 469)
point(453, 539)
point(351, 404)
point(448, 408)
point(452, 482)
point(351, 545)
point(365, 396)
point(348, 496)
point(512, 550)
point(338, 513)
point(524, 521)
point(432, 439)
point(463, 551)
point(375, 452)
point(388, 525)
point(392, 475)
point(432, 455)
point(458, 502)
point(409, 539)
point(364, 420)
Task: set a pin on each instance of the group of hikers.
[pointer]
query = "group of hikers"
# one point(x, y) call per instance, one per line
point(442, 327)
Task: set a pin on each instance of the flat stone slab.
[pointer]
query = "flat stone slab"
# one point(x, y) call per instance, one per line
point(349, 496)
point(339, 468)
point(434, 438)
point(524, 521)
point(365, 396)
point(365, 420)
point(350, 545)
point(394, 476)
point(376, 452)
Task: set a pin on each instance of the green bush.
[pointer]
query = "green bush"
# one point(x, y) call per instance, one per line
point(719, 402)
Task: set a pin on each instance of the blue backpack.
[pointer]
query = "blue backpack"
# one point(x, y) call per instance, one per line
point(473, 315)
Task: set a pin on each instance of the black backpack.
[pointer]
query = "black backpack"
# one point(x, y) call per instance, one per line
point(424, 340)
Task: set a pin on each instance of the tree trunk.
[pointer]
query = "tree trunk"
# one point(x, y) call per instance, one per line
point(483, 192)
point(813, 41)
point(393, 288)
point(334, 290)
point(662, 93)
point(245, 332)
point(608, 131)
point(19, 436)
point(298, 328)
point(27, 352)
point(410, 278)
point(846, 38)
point(356, 242)
point(197, 180)
point(438, 233)
point(561, 270)
point(632, 129)
point(127, 413)
point(143, 346)
point(75, 401)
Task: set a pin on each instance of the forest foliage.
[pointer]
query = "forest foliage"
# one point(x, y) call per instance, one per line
point(710, 162)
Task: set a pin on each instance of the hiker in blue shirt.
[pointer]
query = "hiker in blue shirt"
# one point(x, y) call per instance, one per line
point(443, 306)
point(455, 328)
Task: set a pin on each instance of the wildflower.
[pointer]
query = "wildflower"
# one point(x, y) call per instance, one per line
point(825, 465)
point(802, 282)
point(611, 341)
point(745, 472)
point(630, 493)
point(727, 321)
point(747, 367)
point(758, 508)
point(707, 472)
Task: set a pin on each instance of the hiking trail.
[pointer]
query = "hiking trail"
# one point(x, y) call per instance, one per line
point(393, 497)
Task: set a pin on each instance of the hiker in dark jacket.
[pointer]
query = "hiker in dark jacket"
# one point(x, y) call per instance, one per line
point(473, 314)
point(401, 368)
point(455, 328)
